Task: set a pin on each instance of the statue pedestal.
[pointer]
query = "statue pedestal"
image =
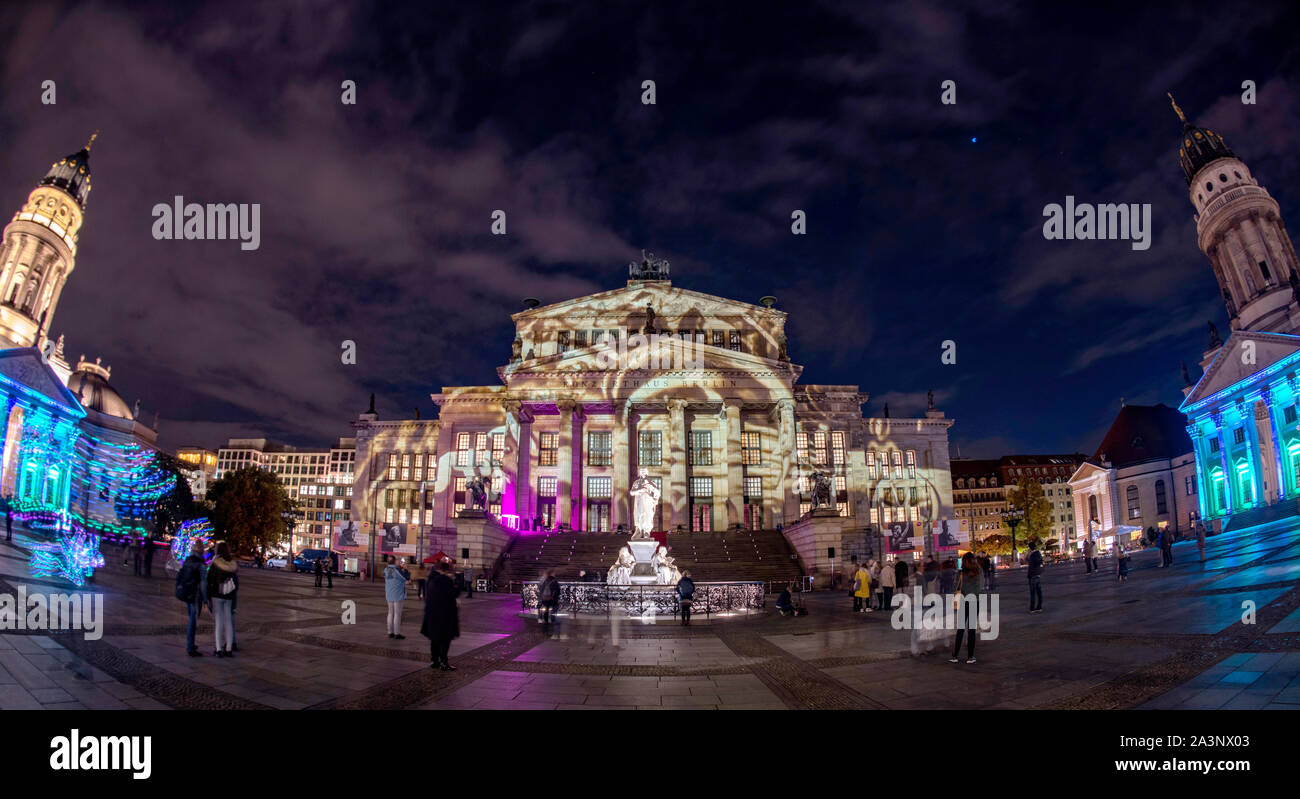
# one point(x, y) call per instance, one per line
point(812, 537)
point(643, 573)
point(484, 537)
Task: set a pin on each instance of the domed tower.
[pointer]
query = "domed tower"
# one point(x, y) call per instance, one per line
point(40, 248)
point(1239, 228)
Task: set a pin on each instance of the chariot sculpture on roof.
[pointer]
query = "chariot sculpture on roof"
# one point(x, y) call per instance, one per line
point(648, 268)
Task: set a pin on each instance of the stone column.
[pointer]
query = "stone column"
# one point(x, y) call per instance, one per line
point(579, 494)
point(735, 472)
point(618, 510)
point(564, 470)
point(519, 423)
point(1203, 486)
point(789, 502)
point(676, 488)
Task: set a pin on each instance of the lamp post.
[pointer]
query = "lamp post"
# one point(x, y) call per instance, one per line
point(1012, 518)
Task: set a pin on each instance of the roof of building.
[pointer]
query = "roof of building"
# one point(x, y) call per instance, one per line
point(1143, 433)
point(1199, 146)
point(969, 467)
point(72, 174)
point(89, 382)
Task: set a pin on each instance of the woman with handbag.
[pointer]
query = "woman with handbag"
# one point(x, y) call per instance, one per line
point(222, 585)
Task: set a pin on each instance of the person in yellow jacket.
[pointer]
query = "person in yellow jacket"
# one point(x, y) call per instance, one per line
point(862, 590)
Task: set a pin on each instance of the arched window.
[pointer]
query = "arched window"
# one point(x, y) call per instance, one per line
point(1161, 507)
point(1092, 508)
point(1134, 508)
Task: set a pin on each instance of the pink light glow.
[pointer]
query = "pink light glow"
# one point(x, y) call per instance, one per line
point(511, 520)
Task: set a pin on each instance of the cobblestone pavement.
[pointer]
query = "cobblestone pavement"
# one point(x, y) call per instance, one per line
point(1166, 638)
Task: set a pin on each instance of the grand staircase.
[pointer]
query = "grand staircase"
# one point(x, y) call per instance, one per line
point(733, 555)
point(1255, 516)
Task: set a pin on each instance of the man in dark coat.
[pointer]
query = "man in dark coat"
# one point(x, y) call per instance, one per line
point(441, 618)
point(319, 571)
point(189, 591)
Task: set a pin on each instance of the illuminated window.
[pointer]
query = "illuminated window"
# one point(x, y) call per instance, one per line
point(751, 449)
point(462, 449)
point(579, 339)
point(753, 488)
point(702, 487)
point(897, 457)
point(406, 466)
point(719, 338)
point(801, 446)
point(599, 449)
point(392, 466)
point(819, 447)
point(871, 465)
point(911, 463)
point(701, 453)
point(498, 447)
point(837, 447)
point(650, 448)
point(562, 341)
point(481, 448)
point(548, 449)
point(599, 487)
point(734, 340)
point(546, 486)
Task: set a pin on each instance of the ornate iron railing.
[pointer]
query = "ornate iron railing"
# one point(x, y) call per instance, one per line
point(639, 600)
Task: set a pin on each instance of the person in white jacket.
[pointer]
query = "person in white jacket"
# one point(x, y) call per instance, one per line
point(887, 585)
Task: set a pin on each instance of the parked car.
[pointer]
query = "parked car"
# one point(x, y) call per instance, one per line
point(305, 561)
point(277, 561)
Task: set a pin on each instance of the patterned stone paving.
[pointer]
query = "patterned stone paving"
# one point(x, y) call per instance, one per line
point(1165, 639)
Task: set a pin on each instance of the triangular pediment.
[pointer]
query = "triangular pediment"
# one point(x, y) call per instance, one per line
point(1085, 470)
point(1244, 355)
point(25, 367)
point(668, 301)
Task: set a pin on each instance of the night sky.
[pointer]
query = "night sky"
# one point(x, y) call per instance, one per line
point(924, 220)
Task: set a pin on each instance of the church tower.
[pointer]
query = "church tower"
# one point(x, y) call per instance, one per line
point(1239, 228)
point(39, 250)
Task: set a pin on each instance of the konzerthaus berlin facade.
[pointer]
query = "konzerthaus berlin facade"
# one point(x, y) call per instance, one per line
point(696, 389)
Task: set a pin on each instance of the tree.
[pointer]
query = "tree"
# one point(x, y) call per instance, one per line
point(247, 508)
point(1027, 496)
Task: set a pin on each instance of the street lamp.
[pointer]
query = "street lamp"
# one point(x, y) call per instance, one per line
point(1012, 518)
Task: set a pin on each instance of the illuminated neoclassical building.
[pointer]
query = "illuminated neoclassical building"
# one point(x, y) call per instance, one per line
point(1243, 411)
point(697, 390)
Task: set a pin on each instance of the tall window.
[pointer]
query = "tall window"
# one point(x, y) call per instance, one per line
point(392, 465)
point(734, 340)
point(481, 450)
point(431, 463)
point(801, 446)
point(462, 449)
point(719, 338)
point(406, 466)
point(580, 339)
point(599, 488)
point(837, 447)
point(599, 449)
point(1189, 485)
point(1161, 507)
point(701, 504)
point(897, 457)
point(650, 448)
point(562, 341)
point(701, 453)
point(751, 449)
point(1239, 435)
point(548, 449)
point(546, 487)
point(753, 489)
point(871, 465)
point(498, 447)
point(1134, 508)
point(819, 447)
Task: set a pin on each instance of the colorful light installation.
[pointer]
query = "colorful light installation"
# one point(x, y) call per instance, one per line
point(195, 532)
point(73, 556)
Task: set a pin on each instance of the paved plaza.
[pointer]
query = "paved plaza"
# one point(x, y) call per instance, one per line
point(1167, 638)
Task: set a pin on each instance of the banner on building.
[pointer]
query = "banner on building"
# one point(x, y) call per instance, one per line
point(394, 540)
point(348, 535)
point(951, 533)
point(898, 537)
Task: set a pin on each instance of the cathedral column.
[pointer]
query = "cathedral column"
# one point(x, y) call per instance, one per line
point(618, 510)
point(564, 470)
point(1199, 454)
point(676, 488)
point(735, 472)
point(1254, 453)
point(1274, 463)
point(1229, 479)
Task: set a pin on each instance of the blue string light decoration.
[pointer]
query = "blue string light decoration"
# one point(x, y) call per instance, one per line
point(73, 556)
point(195, 532)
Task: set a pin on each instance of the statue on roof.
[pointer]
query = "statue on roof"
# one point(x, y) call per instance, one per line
point(1187, 379)
point(649, 320)
point(1215, 341)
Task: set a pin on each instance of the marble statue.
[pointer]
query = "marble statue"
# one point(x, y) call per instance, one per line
point(516, 349)
point(665, 571)
point(621, 572)
point(649, 320)
point(645, 502)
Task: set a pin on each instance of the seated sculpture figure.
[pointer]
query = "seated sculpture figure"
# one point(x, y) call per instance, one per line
point(665, 572)
point(621, 572)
